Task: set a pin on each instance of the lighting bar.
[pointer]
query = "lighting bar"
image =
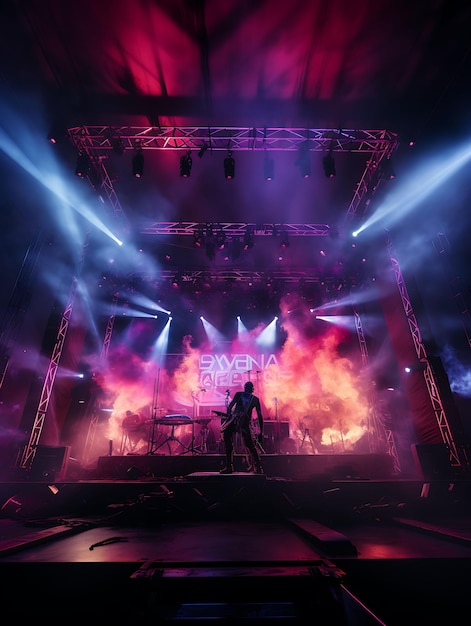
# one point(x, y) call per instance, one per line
point(234, 229)
point(97, 138)
point(244, 276)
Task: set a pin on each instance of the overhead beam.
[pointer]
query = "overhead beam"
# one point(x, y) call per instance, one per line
point(189, 276)
point(102, 138)
point(237, 229)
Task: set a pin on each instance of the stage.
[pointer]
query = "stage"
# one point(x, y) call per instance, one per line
point(240, 547)
point(335, 538)
point(290, 466)
point(319, 538)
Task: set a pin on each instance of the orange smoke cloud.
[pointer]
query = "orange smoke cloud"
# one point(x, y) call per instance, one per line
point(319, 391)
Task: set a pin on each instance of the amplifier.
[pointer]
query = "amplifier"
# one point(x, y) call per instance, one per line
point(50, 463)
point(276, 429)
point(274, 432)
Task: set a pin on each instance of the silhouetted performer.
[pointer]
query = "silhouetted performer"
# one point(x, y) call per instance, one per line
point(239, 415)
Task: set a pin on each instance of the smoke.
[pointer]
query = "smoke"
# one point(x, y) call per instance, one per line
point(316, 377)
point(320, 390)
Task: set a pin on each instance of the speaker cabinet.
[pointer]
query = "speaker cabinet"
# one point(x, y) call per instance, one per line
point(274, 433)
point(432, 461)
point(50, 463)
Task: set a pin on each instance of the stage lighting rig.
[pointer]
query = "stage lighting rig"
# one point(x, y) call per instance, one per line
point(202, 150)
point(185, 165)
point(221, 240)
point(284, 240)
point(328, 161)
point(229, 166)
point(83, 165)
point(386, 169)
point(210, 243)
point(304, 161)
point(268, 167)
point(329, 165)
point(198, 238)
point(248, 238)
point(138, 163)
point(115, 142)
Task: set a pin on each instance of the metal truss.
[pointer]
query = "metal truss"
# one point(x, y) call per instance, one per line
point(30, 449)
point(98, 141)
point(372, 410)
point(190, 276)
point(109, 330)
point(432, 387)
point(234, 229)
point(120, 138)
point(92, 427)
point(373, 176)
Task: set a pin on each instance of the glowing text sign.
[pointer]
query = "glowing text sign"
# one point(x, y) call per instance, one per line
point(222, 370)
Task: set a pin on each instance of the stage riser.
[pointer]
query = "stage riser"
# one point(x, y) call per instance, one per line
point(298, 467)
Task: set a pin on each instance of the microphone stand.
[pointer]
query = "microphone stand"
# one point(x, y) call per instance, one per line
point(150, 448)
point(276, 428)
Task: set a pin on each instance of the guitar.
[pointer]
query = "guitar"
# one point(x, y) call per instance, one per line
point(256, 435)
point(225, 422)
point(230, 418)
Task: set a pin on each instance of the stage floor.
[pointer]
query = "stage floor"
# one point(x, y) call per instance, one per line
point(239, 547)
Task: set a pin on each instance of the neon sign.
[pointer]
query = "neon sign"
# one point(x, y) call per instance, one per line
point(221, 370)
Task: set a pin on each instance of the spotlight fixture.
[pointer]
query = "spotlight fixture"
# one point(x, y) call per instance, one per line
point(138, 163)
point(229, 166)
point(83, 165)
point(56, 133)
point(115, 142)
point(210, 243)
point(198, 238)
point(329, 165)
point(284, 240)
point(176, 281)
point(236, 247)
point(221, 239)
point(202, 150)
point(52, 138)
point(248, 238)
point(304, 162)
point(387, 170)
point(328, 161)
point(206, 279)
point(268, 167)
point(185, 164)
